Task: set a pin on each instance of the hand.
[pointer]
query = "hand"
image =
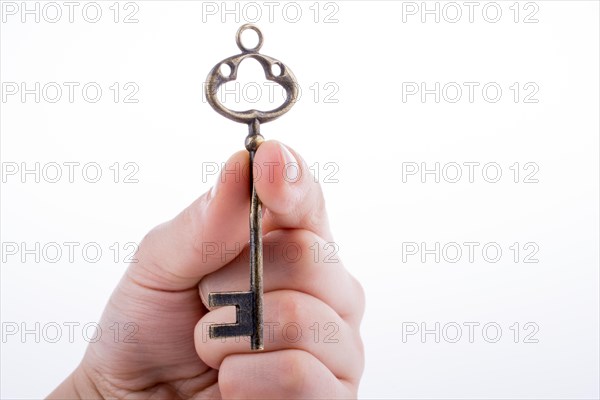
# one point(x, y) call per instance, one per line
point(162, 297)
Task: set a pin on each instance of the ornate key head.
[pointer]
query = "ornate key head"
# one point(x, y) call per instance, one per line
point(285, 78)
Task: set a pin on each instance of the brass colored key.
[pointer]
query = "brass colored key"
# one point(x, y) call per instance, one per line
point(249, 305)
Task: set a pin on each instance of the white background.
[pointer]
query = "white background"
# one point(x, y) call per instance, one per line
point(368, 54)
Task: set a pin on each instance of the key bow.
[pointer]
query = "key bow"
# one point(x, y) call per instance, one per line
point(285, 78)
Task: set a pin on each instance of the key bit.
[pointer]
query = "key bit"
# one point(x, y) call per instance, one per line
point(249, 305)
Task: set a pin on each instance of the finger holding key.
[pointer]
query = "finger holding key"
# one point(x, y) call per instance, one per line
point(292, 199)
point(309, 295)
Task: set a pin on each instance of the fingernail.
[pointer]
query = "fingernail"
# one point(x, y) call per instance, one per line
point(291, 167)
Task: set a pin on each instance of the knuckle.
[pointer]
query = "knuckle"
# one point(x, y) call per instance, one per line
point(360, 295)
point(229, 385)
point(361, 356)
point(317, 214)
point(292, 367)
point(290, 308)
point(354, 310)
point(147, 242)
point(293, 250)
point(149, 269)
point(191, 219)
point(304, 241)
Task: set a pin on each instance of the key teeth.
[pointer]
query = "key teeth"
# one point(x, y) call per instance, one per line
point(214, 300)
point(224, 299)
point(243, 302)
point(217, 331)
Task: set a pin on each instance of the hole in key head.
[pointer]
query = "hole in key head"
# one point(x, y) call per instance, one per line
point(225, 70)
point(251, 89)
point(276, 69)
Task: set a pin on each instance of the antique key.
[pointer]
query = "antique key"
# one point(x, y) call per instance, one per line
point(249, 305)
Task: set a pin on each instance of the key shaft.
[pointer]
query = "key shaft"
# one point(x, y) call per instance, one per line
point(256, 247)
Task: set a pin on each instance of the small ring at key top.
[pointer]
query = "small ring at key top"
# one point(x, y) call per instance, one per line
point(285, 78)
point(238, 38)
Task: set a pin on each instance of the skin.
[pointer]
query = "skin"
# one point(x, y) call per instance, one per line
point(164, 294)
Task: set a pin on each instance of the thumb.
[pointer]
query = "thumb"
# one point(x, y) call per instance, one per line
point(202, 238)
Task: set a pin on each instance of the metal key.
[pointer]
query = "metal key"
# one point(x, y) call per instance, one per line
point(249, 305)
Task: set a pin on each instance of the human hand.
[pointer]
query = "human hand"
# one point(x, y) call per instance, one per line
point(163, 295)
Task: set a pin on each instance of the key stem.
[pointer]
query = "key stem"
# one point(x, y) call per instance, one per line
point(254, 140)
